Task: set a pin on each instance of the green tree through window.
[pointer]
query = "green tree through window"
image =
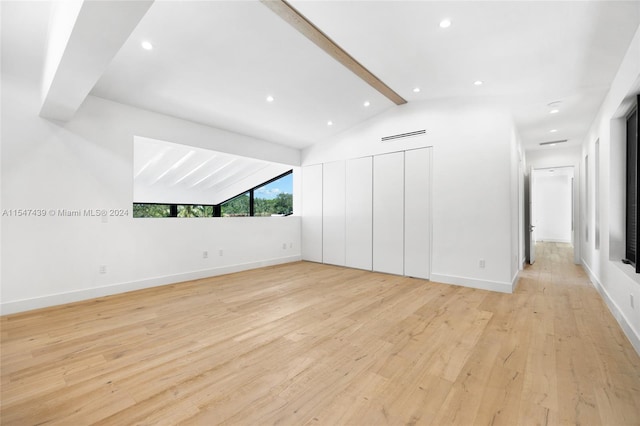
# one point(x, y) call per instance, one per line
point(274, 197)
point(236, 207)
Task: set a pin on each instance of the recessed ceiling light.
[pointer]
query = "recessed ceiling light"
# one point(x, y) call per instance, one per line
point(329, 123)
point(478, 82)
point(416, 90)
point(445, 23)
point(553, 130)
point(552, 144)
point(270, 98)
point(367, 103)
point(146, 45)
point(554, 111)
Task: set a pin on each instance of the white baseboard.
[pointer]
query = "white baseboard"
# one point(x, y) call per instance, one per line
point(23, 305)
point(514, 281)
point(502, 287)
point(625, 324)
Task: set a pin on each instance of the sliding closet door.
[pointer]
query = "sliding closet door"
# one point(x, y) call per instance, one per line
point(417, 213)
point(333, 213)
point(312, 213)
point(388, 213)
point(359, 217)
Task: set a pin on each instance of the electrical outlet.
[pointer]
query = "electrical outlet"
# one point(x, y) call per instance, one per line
point(103, 269)
point(290, 245)
point(205, 254)
point(220, 253)
point(284, 246)
point(481, 263)
point(631, 301)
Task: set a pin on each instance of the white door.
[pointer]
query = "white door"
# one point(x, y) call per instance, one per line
point(388, 213)
point(417, 213)
point(359, 218)
point(333, 213)
point(532, 221)
point(312, 213)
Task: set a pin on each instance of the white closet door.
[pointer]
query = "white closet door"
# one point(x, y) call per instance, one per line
point(333, 213)
point(312, 213)
point(359, 214)
point(388, 213)
point(417, 213)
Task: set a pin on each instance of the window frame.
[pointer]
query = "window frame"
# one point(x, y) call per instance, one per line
point(632, 213)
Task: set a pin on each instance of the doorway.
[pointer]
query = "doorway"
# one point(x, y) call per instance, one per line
point(551, 208)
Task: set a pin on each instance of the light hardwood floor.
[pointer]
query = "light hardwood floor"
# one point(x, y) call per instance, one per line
point(306, 343)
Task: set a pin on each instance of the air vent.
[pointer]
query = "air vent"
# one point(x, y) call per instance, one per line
point(553, 142)
point(403, 135)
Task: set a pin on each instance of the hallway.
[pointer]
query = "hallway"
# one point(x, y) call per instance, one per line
point(586, 369)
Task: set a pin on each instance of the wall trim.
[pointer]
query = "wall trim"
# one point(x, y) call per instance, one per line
point(49, 300)
point(502, 287)
point(615, 310)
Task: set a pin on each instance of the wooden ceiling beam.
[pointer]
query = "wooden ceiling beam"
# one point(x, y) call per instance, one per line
point(298, 21)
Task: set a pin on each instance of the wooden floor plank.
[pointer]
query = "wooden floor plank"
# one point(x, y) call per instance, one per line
point(313, 344)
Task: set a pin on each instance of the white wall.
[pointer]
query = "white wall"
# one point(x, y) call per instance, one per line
point(615, 281)
point(473, 193)
point(87, 164)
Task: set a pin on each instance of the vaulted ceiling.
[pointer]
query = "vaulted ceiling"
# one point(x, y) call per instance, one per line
point(216, 62)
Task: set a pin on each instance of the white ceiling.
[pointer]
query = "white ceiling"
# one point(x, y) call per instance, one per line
point(214, 62)
point(528, 53)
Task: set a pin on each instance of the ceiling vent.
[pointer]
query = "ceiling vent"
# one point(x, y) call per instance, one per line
point(552, 142)
point(403, 135)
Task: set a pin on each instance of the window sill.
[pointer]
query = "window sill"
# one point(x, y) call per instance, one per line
point(627, 269)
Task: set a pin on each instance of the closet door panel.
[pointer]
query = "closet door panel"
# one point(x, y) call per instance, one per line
point(312, 213)
point(388, 213)
point(333, 213)
point(417, 213)
point(359, 213)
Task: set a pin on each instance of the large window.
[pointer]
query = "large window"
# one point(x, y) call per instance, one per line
point(632, 219)
point(271, 198)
